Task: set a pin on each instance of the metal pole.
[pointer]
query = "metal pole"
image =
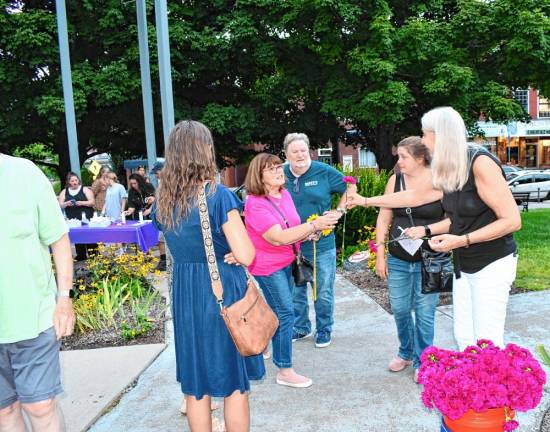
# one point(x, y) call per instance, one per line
point(163, 43)
point(146, 92)
point(67, 81)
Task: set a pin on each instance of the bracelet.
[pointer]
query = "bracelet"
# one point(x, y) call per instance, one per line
point(365, 205)
point(314, 227)
point(467, 241)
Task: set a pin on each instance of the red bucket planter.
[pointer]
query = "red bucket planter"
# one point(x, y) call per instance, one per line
point(492, 420)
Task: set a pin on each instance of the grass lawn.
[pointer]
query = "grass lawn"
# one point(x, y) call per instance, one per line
point(534, 250)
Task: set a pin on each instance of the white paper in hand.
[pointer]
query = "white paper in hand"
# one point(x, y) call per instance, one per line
point(410, 245)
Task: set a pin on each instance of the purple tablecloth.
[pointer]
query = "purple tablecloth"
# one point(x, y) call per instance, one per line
point(143, 234)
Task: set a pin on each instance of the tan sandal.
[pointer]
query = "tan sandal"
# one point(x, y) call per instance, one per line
point(218, 425)
point(183, 409)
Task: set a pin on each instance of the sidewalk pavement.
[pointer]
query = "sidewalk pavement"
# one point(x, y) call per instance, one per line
point(94, 379)
point(538, 205)
point(352, 390)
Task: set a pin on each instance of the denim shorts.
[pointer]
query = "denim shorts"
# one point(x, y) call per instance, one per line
point(29, 370)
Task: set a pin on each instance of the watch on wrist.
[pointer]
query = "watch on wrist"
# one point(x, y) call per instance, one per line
point(340, 210)
point(428, 231)
point(65, 294)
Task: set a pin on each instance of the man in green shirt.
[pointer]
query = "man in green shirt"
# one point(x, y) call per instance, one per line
point(35, 311)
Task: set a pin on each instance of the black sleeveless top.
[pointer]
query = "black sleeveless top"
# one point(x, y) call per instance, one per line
point(422, 215)
point(75, 212)
point(469, 213)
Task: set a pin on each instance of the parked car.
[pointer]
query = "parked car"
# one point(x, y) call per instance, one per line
point(537, 183)
point(509, 170)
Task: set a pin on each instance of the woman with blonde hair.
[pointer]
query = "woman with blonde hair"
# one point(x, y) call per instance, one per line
point(481, 217)
point(115, 197)
point(208, 363)
point(274, 226)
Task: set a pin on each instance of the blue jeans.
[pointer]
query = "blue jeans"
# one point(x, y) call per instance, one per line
point(277, 289)
point(405, 284)
point(324, 306)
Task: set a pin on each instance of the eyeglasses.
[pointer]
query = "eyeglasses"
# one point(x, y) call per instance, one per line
point(274, 169)
point(296, 183)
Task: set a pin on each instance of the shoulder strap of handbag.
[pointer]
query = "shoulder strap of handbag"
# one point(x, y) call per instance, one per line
point(284, 219)
point(402, 187)
point(217, 287)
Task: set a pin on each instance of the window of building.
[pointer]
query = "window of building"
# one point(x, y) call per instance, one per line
point(522, 98)
point(544, 107)
point(325, 155)
point(367, 158)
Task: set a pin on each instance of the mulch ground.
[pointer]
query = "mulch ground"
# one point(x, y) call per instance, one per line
point(377, 289)
point(111, 337)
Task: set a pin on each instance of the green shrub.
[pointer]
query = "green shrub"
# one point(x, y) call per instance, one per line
point(369, 183)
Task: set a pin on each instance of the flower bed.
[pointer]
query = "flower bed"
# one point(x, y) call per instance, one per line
point(116, 302)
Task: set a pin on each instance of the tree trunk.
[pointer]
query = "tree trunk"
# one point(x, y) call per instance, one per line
point(384, 143)
point(335, 151)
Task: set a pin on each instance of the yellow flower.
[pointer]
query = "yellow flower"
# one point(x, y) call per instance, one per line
point(315, 216)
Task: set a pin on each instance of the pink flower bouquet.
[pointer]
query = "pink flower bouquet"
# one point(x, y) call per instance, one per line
point(479, 378)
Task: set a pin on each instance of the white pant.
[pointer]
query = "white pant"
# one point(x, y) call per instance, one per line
point(479, 302)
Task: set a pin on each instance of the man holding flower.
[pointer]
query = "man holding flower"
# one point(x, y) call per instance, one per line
point(311, 185)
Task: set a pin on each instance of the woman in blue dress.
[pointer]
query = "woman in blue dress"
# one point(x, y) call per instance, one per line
point(208, 363)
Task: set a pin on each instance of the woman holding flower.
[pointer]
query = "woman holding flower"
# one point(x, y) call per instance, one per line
point(274, 227)
point(401, 268)
point(481, 217)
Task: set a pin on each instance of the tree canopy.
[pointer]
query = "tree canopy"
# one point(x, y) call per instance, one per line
point(254, 70)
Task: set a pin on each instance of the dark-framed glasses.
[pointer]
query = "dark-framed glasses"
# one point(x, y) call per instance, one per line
point(274, 169)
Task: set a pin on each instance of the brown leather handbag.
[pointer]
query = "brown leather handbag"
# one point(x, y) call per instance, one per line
point(250, 321)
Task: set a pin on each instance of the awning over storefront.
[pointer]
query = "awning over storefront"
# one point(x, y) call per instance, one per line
point(515, 129)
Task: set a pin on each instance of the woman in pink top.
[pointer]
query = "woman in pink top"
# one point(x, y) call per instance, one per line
point(268, 210)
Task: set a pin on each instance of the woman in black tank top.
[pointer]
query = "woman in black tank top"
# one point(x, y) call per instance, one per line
point(402, 267)
point(481, 217)
point(77, 200)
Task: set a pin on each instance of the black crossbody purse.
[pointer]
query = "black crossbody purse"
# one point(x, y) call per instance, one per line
point(302, 269)
point(437, 267)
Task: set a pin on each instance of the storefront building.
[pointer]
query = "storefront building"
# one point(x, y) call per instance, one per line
point(517, 143)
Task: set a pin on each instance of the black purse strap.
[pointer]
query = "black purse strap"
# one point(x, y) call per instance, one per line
point(278, 210)
point(408, 210)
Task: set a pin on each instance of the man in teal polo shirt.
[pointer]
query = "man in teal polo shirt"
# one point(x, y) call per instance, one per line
point(35, 311)
point(311, 185)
